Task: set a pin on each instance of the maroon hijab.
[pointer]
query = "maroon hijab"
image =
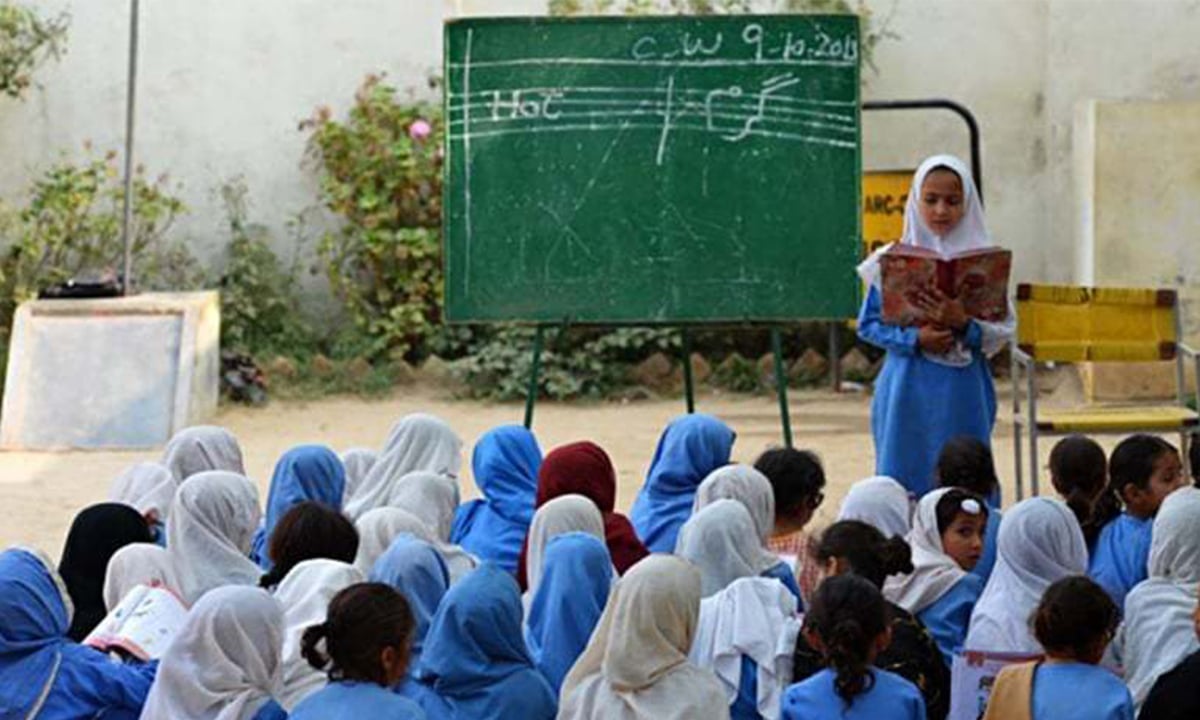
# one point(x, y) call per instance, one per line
point(583, 468)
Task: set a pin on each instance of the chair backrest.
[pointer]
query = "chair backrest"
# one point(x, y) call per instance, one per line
point(1067, 323)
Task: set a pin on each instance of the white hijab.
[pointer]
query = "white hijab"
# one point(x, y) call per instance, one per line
point(880, 502)
point(417, 442)
point(722, 541)
point(746, 485)
point(434, 498)
point(1158, 632)
point(934, 572)
point(224, 664)
point(146, 487)
point(138, 564)
point(1039, 543)
point(563, 514)
point(635, 666)
point(358, 462)
point(754, 617)
point(212, 524)
point(305, 594)
point(200, 449)
point(379, 527)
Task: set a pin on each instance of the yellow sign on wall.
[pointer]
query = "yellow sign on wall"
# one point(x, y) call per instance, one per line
point(884, 194)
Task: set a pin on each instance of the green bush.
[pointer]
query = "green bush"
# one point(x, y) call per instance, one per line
point(26, 41)
point(380, 172)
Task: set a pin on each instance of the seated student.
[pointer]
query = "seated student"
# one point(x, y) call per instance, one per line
point(434, 498)
point(475, 663)
point(946, 542)
point(752, 489)
point(148, 488)
point(1176, 694)
point(1074, 623)
point(690, 448)
point(225, 661)
point(636, 664)
point(880, 502)
point(1143, 470)
point(212, 524)
point(1040, 542)
point(505, 467)
point(1079, 473)
point(134, 565)
point(415, 569)
point(851, 546)
point(309, 531)
point(306, 473)
point(42, 673)
point(966, 462)
point(417, 442)
point(848, 622)
point(722, 543)
point(562, 515)
point(202, 448)
point(96, 534)
point(366, 635)
point(797, 480)
point(357, 463)
point(1158, 631)
point(378, 528)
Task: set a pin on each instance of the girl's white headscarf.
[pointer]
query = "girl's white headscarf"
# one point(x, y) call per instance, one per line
point(723, 543)
point(435, 498)
point(563, 514)
point(934, 572)
point(202, 448)
point(880, 502)
point(635, 666)
point(225, 662)
point(305, 594)
point(746, 485)
point(146, 487)
point(1039, 544)
point(754, 617)
point(1158, 632)
point(212, 524)
point(379, 527)
point(134, 565)
point(358, 462)
point(417, 442)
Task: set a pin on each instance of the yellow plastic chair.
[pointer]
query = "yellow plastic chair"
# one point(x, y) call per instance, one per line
point(1060, 323)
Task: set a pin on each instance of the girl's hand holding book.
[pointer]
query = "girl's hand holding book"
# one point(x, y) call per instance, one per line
point(941, 309)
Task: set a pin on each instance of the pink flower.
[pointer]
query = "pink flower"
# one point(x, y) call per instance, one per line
point(419, 130)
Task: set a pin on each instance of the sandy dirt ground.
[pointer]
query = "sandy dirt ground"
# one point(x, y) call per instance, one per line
point(41, 492)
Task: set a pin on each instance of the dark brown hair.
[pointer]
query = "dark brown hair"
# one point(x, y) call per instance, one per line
point(796, 478)
point(1079, 472)
point(361, 622)
point(308, 531)
point(848, 613)
point(967, 462)
point(949, 506)
point(869, 553)
point(1075, 613)
point(1131, 463)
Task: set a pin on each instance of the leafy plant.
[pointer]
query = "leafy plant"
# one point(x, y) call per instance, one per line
point(26, 41)
point(380, 172)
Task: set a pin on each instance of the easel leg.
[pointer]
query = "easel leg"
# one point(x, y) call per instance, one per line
point(689, 389)
point(781, 385)
point(534, 370)
point(835, 357)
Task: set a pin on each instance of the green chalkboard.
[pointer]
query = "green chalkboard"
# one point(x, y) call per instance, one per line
point(647, 170)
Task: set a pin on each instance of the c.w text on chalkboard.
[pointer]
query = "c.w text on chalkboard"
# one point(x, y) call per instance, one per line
point(652, 169)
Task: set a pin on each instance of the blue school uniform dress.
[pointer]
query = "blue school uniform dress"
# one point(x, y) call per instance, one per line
point(987, 561)
point(919, 404)
point(40, 667)
point(356, 701)
point(577, 575)
point(304, 473)
point(690, 448)
point(1075, 691)
point(783, 573)
point(891, 697)
point(948, 619)
point(1119, 559)
point(505, 465)
point(475, 665)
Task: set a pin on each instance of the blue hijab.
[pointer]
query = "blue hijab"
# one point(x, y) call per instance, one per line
point(690, 448)
point(417, 571)
point(33, 630)
point(475, 659)
point(505, 465)
point(576, 577)
point(304, 473)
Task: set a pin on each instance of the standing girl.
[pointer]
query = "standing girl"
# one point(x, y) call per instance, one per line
point(935, 382)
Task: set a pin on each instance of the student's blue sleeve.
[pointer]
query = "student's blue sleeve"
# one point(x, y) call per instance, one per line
point(973, 337)
point(872, 328)
point(88, 678)
point(270, 711)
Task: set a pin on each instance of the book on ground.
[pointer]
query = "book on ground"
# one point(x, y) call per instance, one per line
point(142, 624)
point(979, 278)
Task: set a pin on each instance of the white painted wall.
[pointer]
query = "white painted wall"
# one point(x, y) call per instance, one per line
point(225, 82)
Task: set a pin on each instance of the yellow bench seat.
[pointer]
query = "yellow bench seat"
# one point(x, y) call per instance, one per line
point(1117, 419)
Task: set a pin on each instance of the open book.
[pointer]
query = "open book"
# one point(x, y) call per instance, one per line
point(142, 625)
point(979, 278)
